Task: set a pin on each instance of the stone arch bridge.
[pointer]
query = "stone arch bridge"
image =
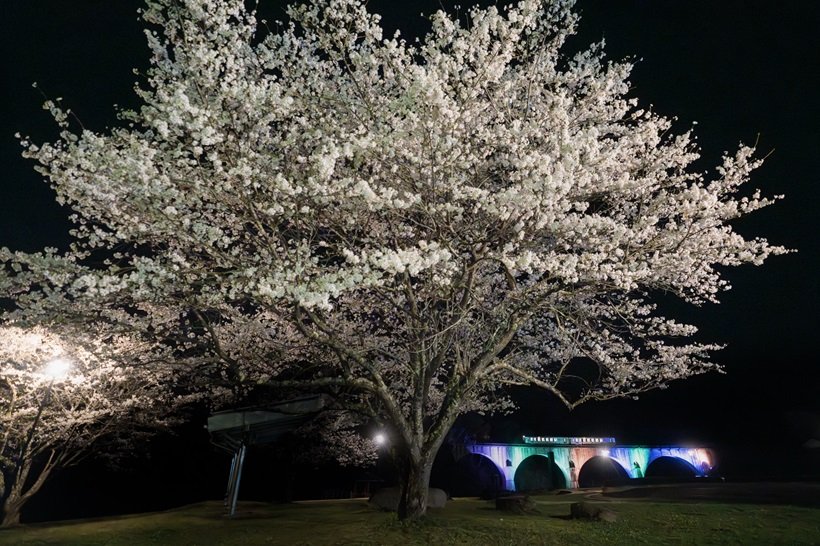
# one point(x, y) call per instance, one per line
point(567, 458)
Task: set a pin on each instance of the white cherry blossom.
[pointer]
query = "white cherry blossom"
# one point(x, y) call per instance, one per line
point(408, 227)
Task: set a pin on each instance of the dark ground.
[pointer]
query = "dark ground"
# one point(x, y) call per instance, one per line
point(791, 493)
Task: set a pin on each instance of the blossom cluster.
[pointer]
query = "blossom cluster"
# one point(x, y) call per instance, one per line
point(421, 222)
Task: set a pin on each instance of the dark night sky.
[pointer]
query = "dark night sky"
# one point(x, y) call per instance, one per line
point(740, 68)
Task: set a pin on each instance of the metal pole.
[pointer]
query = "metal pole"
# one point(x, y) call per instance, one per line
point(234, 473)
point(228, 492)
point(239, 465)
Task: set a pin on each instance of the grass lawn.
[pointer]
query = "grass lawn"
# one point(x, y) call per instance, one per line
point(463, 521)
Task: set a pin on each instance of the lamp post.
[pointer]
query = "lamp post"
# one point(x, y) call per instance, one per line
point(54, 370)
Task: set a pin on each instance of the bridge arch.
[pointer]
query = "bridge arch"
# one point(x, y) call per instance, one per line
point(632, 460)
point(601, 469)
point(476, 475)
point(669, 466)
point(538, 472)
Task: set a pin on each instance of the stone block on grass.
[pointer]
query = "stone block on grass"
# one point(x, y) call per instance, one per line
point(387, 498)
point(589, 511)
point(516, 504)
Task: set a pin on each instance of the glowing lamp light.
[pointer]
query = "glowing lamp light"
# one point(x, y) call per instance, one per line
point(605, 452)
point(380, 439)
point(57, 369)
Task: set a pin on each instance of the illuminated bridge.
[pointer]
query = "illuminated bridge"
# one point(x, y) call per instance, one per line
point(551, 462)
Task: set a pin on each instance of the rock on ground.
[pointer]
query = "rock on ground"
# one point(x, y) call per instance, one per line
point(517, 504)
point(387, 498)
point(586, 510)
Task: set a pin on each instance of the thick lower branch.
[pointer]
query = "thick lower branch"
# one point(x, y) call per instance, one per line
point(322, 382)
point(378, 386)
point(535, 381)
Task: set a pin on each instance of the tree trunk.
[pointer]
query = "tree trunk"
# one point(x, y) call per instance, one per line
point(16, 499)
point(11, 510)
point(415, 483)
point(18, 496)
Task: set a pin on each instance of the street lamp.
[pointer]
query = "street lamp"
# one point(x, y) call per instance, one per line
point(57, 369)
point(380, 439)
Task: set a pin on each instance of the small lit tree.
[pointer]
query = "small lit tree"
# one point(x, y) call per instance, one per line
point(408, 227)
point(60, 395)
